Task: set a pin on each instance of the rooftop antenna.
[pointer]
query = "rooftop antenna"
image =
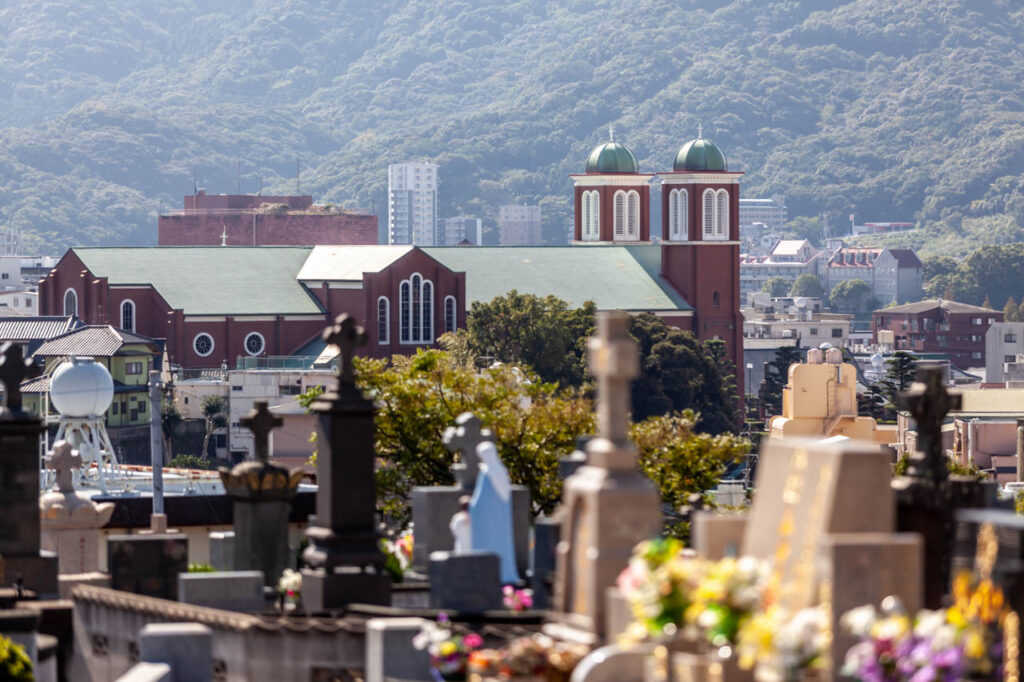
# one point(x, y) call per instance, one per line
point(238, 176)
point(298, 169)
point(195, 179)
point(611, 133)
point(700, 130)
point(261, 187)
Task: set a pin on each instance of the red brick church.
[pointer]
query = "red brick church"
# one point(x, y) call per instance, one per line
point(216, 304)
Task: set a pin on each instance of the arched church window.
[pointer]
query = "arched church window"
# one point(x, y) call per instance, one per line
point(722, 215)
point(383, 319)
point(450, 318)
point(70, 302)
point(128, 315)
point(708, 219)
point(619, 214)
point(595, 215)
point(678, 208)
point(416, 310)
point(633, 215)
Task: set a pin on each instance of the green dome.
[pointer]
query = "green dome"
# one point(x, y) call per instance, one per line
point(612, 157)
point(700, 155)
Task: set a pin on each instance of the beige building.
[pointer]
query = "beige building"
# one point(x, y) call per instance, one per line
point(796, 319)
point(820, 401)
point(519, 225)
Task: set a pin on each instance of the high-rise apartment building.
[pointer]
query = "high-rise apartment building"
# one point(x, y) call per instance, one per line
point(412, 204)
point(461, 229)
point(519, 225)
point(771, 212)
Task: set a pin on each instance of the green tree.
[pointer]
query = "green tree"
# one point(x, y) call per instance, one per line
point(899, 374)
point(682, 461)
point(678, 372)
point(935, 266)
point(850, 295)
point(776, 376)
point(803, 227)
point(545, 334)
point(1011, 311)
point(214, 411)
point(719, 352)
point(170, 420)
point(776, 286)
point(807, 285)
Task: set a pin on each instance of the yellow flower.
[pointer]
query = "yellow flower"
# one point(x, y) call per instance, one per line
point(974, 645)
point(447, 648)
point(956, 617)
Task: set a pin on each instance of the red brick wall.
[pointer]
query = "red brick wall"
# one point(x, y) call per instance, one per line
point(607, 193)
point(289, 229)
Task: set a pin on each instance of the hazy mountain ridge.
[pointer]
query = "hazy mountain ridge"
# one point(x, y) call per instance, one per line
point(888, 109)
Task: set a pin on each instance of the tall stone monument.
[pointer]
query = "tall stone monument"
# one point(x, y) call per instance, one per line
point(20, 554)
point(71, 522)
point(927, 497)
point(346, 562)
point(262, 493)
point(609, 506)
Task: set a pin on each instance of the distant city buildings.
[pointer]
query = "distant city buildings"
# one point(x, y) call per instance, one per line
point(412, 204)
point(794, 318)
point(771, 213)
point(519, 225)
point(937, 326)
point(894, 275)
point(462, 229)
point(1004, 353)
point(788, 259)
point(256, 220)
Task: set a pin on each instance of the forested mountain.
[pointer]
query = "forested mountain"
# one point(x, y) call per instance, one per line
point(890, 109)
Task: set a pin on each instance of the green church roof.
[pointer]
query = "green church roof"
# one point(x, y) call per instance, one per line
point(613, 277)
point(612, 157)
point(211, 280)
point(700, 155)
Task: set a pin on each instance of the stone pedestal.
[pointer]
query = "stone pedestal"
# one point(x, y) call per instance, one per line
point(229, 590)
point(390, 654)
point(147, 564)
point(222, 550)
point(715, 535)
point(469, 582)
point(546, 534)
point(608, 511)
point(186, 647)
point(261, 537)
point(322, 591)
point(71, 527)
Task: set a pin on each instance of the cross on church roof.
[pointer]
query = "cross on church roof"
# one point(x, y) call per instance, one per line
point(261, 422)
point(223, 235)
point(928, 402)
point(63, 460)
point(614, 361)
point(14, 369)
point(463, 438)
point(347, 336)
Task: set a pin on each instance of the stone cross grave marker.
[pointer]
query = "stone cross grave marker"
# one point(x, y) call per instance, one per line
point(929, 402)
point(63, 460)
point(14, 369)
point(261, 422)
point(347, 336)
point(463, 438)
point(609, 506)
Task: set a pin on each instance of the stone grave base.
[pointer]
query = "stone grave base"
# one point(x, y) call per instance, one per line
point(39, 572)
point(322, 591)
point(469, 582)
point(68, 581)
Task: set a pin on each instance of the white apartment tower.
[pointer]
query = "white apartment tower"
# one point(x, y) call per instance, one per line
point(519, 225)
point(412, 204)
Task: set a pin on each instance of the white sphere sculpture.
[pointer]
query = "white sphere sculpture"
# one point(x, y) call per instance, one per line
point(81, 388)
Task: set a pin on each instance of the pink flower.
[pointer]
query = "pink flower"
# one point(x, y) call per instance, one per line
point(473, 641)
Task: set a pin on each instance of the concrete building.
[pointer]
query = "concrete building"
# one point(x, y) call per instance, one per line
point(1004, 352)
point(462, 229)
point(772, 213)
point(412, 204)
point(799, 319)
point(19, 302)
point(937, 326)
point(255, 220)
point(788, 258)
point(519, 225)
point(894, 275)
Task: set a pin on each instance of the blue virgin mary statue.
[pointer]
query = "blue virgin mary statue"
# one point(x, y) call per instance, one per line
point(490, 512)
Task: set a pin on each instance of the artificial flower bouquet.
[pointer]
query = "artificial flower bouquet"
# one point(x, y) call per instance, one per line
point(961, 642)
point(780, 645)
point(289, 587)
point(449, 652)
point(398, 555)
point(516, 600)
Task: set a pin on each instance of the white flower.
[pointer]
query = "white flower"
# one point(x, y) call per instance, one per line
point(928, 623)
point(858, 621)
point(291, 581)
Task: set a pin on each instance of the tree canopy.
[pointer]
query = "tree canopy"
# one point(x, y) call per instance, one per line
point(995, 273)
point(807, 285)
point(776, 286)
point(884, 109)
point(850, 295)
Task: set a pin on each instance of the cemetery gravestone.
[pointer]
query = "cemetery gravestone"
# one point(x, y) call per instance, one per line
point(346, 563)
point(222, 550)
point(71, 522)
point(20, 553)
point(147, 564)
point(229, 590)
point(609, 506)
point(261, 492)
point(469, 582)
point(927, 498)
